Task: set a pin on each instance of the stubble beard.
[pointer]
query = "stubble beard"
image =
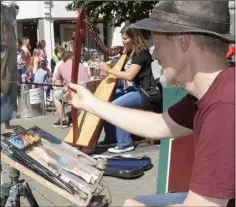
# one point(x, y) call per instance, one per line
point(164, 81)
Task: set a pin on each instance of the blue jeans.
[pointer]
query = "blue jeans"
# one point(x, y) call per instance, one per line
point(130, 98)
point(6, 109)
point(162, 199)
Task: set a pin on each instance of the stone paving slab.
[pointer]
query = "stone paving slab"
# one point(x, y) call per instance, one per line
point(120, 189)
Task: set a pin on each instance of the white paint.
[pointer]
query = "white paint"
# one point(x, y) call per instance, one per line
point(168, 165)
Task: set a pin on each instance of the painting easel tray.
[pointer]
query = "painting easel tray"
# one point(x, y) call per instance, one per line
point(55, 164)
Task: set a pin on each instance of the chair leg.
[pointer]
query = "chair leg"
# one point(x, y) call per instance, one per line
point(152, 142)
point(149, 141)
point(62, 112)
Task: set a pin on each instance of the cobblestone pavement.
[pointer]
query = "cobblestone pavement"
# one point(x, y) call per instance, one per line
point(119, 189)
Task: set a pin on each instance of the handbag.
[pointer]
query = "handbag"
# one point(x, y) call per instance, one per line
point(153, 94)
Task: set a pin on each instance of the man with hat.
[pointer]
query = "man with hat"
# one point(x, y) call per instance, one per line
point(191, 40)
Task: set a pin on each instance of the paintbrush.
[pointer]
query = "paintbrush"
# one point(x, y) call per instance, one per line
point(52, 85)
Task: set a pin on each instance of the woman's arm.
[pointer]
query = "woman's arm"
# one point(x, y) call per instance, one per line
point(124, 75)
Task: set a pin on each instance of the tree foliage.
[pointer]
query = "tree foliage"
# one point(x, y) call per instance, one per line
point(120, 11)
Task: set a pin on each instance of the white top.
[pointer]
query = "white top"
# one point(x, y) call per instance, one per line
point(127, 68)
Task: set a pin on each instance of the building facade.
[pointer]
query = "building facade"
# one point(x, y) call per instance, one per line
point(50, 21)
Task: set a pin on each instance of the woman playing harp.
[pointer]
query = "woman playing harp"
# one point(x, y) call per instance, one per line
point(137, 73)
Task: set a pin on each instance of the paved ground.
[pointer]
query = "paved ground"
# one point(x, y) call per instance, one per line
point(120, 189)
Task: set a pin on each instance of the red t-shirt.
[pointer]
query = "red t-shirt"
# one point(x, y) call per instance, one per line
point(212, 121)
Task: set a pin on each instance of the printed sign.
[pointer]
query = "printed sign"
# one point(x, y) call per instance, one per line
point(36, 95)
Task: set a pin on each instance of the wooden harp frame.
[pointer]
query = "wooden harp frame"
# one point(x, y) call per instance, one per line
point(87, 127)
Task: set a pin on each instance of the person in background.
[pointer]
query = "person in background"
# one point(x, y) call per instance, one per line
point(41, 50)
point(66, 55)
point(27, 54)
point(63, 76)
point(137, 74)
point(42, 74)
point(56, 57)
point(20, 55)
point(34, 61)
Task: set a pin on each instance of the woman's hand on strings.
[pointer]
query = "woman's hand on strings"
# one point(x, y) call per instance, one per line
point(78, 96)
point(104, 67)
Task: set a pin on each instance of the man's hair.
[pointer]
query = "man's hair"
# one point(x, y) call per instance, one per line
point(137, 38)
point(209, 44)
point(58, 49)
point(66, 55)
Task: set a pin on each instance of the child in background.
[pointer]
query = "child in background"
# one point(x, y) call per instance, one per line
point(42, 74)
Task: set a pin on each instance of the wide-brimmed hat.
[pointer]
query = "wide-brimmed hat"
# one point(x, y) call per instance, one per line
point(207, 17)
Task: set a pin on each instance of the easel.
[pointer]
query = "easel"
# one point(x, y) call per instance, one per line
point(176, 155)
point(13, 191)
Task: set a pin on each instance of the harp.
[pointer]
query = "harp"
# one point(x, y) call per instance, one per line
point(87, 127)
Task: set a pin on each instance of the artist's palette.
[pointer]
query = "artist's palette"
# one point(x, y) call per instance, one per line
point(24, 140)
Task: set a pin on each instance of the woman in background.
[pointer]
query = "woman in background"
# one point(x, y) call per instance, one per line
point(20, 55)
point(41, 50)
point(34, 61)
point(137, 74)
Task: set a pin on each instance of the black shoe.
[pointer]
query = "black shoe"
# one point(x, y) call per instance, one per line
point(105, 144)
point(64, 124)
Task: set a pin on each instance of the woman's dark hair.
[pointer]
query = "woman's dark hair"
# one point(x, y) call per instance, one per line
point(19, 42)
point(136, 35)
point(40, 44)
point(66, 55)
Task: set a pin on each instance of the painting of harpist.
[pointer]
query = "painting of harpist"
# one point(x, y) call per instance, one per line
point(8, 63)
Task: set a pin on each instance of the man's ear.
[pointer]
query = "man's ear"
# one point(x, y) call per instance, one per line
point(184, 42)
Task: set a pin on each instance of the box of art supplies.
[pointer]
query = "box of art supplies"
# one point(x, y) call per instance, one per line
point(55, 164)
